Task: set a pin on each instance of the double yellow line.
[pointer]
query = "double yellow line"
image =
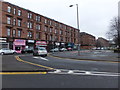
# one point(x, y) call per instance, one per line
point(21, 73)
point(18, 73)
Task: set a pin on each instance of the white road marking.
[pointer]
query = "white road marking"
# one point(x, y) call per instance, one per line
point(57, 71)
point(70, 72)
point(44, 59)
point(41, 58)
point(81, 72)
point(36, 57)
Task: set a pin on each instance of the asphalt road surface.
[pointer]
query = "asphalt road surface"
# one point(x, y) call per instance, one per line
point(62, 73)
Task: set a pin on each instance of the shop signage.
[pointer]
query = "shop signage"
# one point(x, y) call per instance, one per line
point(41, 43)
point(30, 41)
point(3, 39)
point(19, 42)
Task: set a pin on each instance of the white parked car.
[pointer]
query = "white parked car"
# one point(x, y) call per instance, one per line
point(40, 51)
point(63, 49)
point(54, 50)
point(7, 51)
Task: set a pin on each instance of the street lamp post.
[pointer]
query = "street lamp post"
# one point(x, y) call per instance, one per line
point(78, 28)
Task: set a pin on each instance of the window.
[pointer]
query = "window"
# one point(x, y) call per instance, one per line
point(9, 9)
point(61, 32)
point(60, 25)
point(14, 21)
point(50, 29)
point(37, 35)
point(19, 33)
point(45, 21)
point(19, 12)
point(50, 37)
point(8, 31)
point(38, 26)
point(8, 20)
point(19, 22)
point(29, 34)
point(55, 31)
point(30, 25)
point(14, 33)
point(29, 15)
point(14, 11)
point(46, 28)
point(50, 22)
point(38, 18)
point(61, 38)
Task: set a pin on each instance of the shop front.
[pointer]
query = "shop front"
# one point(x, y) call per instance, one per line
point(3, 43)
point(30, 44)
point(19, 45)
point(40, 44)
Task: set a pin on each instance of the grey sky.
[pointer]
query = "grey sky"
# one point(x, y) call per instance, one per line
point(95, 15)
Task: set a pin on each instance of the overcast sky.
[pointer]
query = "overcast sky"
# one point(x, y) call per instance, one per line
point(94, 15)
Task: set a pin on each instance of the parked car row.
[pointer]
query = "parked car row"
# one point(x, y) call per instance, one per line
point(37, 51)
point(61, 49)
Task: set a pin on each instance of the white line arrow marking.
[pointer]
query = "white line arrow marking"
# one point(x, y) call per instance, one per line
point(41, 58)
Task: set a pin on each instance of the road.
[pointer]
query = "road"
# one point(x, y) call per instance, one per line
point(63, 73)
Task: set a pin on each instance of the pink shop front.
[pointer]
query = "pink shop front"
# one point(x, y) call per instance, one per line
point(19, 45)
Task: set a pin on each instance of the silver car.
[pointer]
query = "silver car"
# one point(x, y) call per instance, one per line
point(7, 51)
point(40, 51)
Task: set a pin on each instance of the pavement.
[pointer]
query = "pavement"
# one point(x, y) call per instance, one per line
point(92, 55)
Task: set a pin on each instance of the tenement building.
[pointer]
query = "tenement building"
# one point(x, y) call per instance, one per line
point(21, 28)
point(88, 41)
point(102, 43)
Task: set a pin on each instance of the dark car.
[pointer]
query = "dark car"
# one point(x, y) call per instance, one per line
point(27, 50)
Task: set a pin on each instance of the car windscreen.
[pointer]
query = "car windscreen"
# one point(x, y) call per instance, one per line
point(41, 48)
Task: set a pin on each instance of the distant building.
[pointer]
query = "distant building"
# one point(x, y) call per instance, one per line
point(102, 43)
point(88, 41)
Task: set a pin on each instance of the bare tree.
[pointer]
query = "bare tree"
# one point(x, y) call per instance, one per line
point(114, 32)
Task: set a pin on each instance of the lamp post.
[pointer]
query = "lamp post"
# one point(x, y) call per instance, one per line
point(78, 28)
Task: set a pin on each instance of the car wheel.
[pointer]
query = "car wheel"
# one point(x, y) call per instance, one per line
point(33, 54)
point(14, 52)
point(2, 53)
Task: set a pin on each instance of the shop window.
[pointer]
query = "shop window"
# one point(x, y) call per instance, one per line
point(17, 48)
